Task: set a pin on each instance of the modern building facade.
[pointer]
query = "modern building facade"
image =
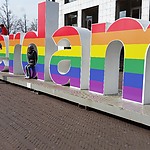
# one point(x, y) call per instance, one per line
point(83, 13)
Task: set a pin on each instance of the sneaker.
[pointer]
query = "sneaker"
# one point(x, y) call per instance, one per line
point(35, 77)
point(27, 77)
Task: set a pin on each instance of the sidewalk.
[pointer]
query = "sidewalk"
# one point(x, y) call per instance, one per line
point(109, 104)
point(31, 121)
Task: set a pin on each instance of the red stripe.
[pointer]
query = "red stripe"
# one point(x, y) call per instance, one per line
point(97, 28)
point(17, 36)
point(11, 36)
point(41, 19)
point(148, 26)
point(124, 24)
point(65, 31)
point(30, 35)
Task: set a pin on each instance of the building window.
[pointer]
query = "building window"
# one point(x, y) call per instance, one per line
point(71, 19)
point(68, 1)
point(128, 8)
point(89, 16)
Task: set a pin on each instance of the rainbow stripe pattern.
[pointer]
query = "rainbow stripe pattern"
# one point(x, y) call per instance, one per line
point(130, 32)
point(13, 41)
point(74, 55)
point(31, 38)
point(2, 52)
point(38, 40)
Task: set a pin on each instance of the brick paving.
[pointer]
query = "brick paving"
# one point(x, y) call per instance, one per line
point(29, 121)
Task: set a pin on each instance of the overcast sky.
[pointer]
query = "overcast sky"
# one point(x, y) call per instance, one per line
point(21, 7)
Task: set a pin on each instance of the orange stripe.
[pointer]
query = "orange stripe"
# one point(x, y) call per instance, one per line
point(127, 37)
point(74, 40)
point(3, 43)
point(36, 41)
point(14, 42)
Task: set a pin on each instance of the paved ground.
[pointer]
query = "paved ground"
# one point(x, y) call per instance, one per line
point(29, 121)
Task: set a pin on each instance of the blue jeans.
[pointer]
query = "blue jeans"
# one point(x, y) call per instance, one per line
point(30, 71)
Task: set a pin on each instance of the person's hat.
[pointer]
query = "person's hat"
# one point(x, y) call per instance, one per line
point(31, 47)
point(2, 25)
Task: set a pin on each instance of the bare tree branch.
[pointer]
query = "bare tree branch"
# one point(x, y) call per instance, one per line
point(12, 23)
point(33, 25)
point(6, 16)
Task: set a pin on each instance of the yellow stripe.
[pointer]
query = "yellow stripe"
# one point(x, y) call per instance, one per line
point(41, 50)
point(3, 50)
point(132, 51)
point(24, 49)
point(135, 51)
point(11, 49)
point(98, 50)
point(75, 51)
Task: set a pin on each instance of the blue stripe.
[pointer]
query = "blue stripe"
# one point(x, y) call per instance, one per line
point(97, 75)
point(73, 72)
point(133, 80)
point(2, 63)
point(39, 67)
point(11, 63)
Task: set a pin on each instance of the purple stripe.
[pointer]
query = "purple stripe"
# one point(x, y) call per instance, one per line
point(1, 67)
point(133, 94)
point(40, 75)
point(59, 79)
point(75, 82)
point(96, 86)
point(11, 69)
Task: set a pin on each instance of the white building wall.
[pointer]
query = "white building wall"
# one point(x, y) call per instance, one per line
point(107, 9)
point(145, 9)
point(75, 6)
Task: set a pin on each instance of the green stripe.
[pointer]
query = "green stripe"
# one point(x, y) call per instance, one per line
point(75, 61)
point(40, 58)
point(134, 66)
point(11, 56)
point(2, 55)
point(24, 57)
point(97, 63)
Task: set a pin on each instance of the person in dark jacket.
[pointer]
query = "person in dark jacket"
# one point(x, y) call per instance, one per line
point(32, 60)
point(3, 30)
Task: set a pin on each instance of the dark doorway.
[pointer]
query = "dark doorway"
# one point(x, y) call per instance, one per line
point(128, 8)
point(89, 16)
point(121, 59)
point(71, 19)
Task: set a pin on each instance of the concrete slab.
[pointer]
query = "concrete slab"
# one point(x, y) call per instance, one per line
point(110, 104)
